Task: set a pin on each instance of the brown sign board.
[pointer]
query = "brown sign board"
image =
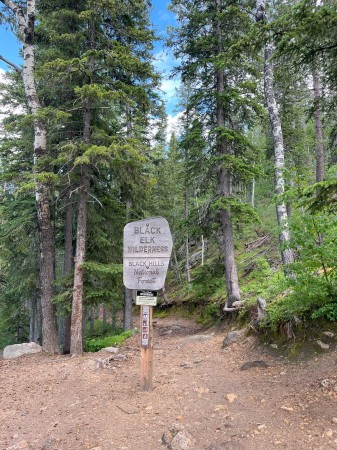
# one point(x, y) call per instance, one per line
point(146, 256)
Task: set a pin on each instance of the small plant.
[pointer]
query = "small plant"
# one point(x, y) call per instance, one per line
point(96, 344)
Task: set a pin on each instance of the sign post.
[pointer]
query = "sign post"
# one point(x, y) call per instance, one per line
point(146, 256)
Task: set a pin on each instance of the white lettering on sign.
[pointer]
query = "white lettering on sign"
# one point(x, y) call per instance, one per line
point(147, 251)
point(146, 298)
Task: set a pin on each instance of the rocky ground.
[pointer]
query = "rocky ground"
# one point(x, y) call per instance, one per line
point(204, 398)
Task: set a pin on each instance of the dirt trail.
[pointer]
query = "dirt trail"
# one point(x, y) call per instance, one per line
point(63, 403)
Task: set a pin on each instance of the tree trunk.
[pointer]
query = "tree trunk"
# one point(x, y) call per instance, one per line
point(68, 263)
point(35, 331)
point(225, 184)
point(113, 317)
point(127, 318)
point(318, 126)
point(47, 275)
point(47, 252)
point(276, 126)
point(104, 321)
point(92, 320)
point(76, 340)
point(176, 266)
point(275, 121)
point(187, 249)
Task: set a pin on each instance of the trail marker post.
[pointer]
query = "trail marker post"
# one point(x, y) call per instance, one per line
point(146, 256)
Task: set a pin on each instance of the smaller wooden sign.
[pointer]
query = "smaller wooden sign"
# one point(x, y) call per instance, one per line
point(146, 298)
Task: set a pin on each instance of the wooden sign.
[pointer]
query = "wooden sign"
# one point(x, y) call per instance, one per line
point(146, 298)
point(147, 251)
point(146, 348)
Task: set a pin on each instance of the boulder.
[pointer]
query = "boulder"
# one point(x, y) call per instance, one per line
point(16, 350)
point(323, 345)
point(232, 337)
point(258, 363)
point(110, 349)
point(198, 338)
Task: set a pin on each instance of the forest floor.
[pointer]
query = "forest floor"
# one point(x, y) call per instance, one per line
point(200, 391)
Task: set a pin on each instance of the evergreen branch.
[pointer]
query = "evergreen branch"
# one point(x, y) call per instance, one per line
point(15, 67)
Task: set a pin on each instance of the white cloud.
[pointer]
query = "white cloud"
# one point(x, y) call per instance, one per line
point(173, 125)
point(164, 63)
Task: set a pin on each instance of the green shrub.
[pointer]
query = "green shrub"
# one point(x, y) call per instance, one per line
point(311, 293)
point(96, 344)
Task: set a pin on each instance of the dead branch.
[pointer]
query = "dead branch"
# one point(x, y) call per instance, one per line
point(257, 242)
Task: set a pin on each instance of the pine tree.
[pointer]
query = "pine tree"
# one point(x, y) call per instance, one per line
point(222, 103)
point(108, 75)
point(25, 23)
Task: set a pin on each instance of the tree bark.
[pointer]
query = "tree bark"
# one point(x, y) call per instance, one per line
point(68, 263)
point(104, 321)
point(225, 183)
point(276, 126)
point(92, 320)
point(187, 249)
point(318, 126)
point(26, 25)
point(35, 331)
point(127, 317)
point(76, 340)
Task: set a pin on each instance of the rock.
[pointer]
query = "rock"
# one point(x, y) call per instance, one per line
point(221, 408)
point(176, 328)
point(166, 333)
point(274, 346)
point(110, 349)
point(329, 334)
point(51, 444)
point(167, 437)
point(198, 338)
point(287, 408)
point(250, 364)
point(197, 360)
point(186, 365)
point(119, 357)
point(329, 384)
point(323, 345)
point(183, 440)
point(20, 445)
point(232, 337)
point(16, 350)
point(334, 420)
point(231, 397)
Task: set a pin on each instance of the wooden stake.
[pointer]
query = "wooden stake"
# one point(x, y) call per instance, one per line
point(146, 342)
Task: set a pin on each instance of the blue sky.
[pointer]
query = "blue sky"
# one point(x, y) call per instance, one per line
point(161, 18)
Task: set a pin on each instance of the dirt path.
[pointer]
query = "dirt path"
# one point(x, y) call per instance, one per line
point(63, 403)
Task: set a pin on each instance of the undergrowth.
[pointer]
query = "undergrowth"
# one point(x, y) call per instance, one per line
point(96, 344)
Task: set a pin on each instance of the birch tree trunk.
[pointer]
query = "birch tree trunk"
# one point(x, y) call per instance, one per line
point(76, 339)
point(225, 184)
point(187, 248)
point(318, 126)
point(26, 25)
point(276, 126)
